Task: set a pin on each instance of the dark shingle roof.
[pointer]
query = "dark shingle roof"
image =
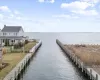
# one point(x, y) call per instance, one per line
point(11, 29)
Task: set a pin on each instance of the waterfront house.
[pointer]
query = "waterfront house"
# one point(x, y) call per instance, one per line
point(10, 35)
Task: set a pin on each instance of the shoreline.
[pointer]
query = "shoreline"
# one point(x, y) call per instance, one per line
point(20, 67)
point(90, 72)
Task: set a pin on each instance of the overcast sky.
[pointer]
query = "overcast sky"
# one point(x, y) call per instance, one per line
point(51, 15)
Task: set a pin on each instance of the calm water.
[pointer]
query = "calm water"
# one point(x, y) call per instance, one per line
point(50, 63)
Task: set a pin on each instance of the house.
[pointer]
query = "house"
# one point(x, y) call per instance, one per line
point(10, 35)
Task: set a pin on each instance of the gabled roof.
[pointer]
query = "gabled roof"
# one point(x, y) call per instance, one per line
point(11, 28)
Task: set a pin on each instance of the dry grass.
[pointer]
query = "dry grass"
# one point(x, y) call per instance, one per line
point(89, 54)
point(29, 46)
point(12, 59)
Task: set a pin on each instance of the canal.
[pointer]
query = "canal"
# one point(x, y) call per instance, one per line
point(50, 63)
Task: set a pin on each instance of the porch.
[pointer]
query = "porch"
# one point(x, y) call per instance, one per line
point(9, 40)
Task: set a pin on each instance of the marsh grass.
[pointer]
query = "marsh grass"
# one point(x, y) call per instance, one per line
point(89, 54)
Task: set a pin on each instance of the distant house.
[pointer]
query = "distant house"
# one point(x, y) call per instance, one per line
point(10, 35)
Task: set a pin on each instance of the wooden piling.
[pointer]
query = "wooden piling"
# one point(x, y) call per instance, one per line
point(96, 77)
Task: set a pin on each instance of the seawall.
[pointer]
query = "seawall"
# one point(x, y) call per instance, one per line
point(13, 74)
point(92, 74)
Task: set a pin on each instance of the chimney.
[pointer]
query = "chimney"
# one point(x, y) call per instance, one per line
point(4, 25)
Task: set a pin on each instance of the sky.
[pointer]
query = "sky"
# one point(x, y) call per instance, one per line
point(51, 15)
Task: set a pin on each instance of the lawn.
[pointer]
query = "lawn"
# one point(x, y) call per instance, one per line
point(13, 59)
point(28, 46)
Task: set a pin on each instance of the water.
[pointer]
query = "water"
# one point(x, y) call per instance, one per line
point(50, 63)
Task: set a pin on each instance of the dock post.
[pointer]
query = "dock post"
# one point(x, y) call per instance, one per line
point(22, 67)
point(78, 63)
point(96, 77)
point(90, 73)
point(15, 75)
point(26, 61)
point(19, 70)
point(24, 64)
point(76, 60)
point(82, 66)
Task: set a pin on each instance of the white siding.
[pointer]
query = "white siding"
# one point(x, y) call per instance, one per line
point(0, 32)
point(0, 41)
point(21, 32)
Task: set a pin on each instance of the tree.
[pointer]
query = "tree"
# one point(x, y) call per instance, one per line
point(26, 41)
point(6, 42)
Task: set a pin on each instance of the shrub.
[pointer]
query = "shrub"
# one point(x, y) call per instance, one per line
point(6, 42)
point(26, 41)
point(19, 45)
point(4, 51)
point(16, 46)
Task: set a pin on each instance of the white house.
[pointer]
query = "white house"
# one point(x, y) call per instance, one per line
point(12, 34)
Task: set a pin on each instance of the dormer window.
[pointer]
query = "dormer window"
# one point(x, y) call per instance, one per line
point(3, 33)
point(15, 34)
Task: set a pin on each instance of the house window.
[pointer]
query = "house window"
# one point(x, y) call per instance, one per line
point(16, 34)
point(13, 40)
point(4, 33)
point(3, 40)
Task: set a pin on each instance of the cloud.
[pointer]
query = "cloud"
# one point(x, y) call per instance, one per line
point(52, 1)
point(4, 8)
point(65, 16)
point(18, 18)
point(86, 12)
point(61, 16)
point(48, 1)
point(16, 12)
point(91, 1)
point(83, 7)
point(1, 16)
point(11, 15)
point(41, 0)
point(77, 5)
